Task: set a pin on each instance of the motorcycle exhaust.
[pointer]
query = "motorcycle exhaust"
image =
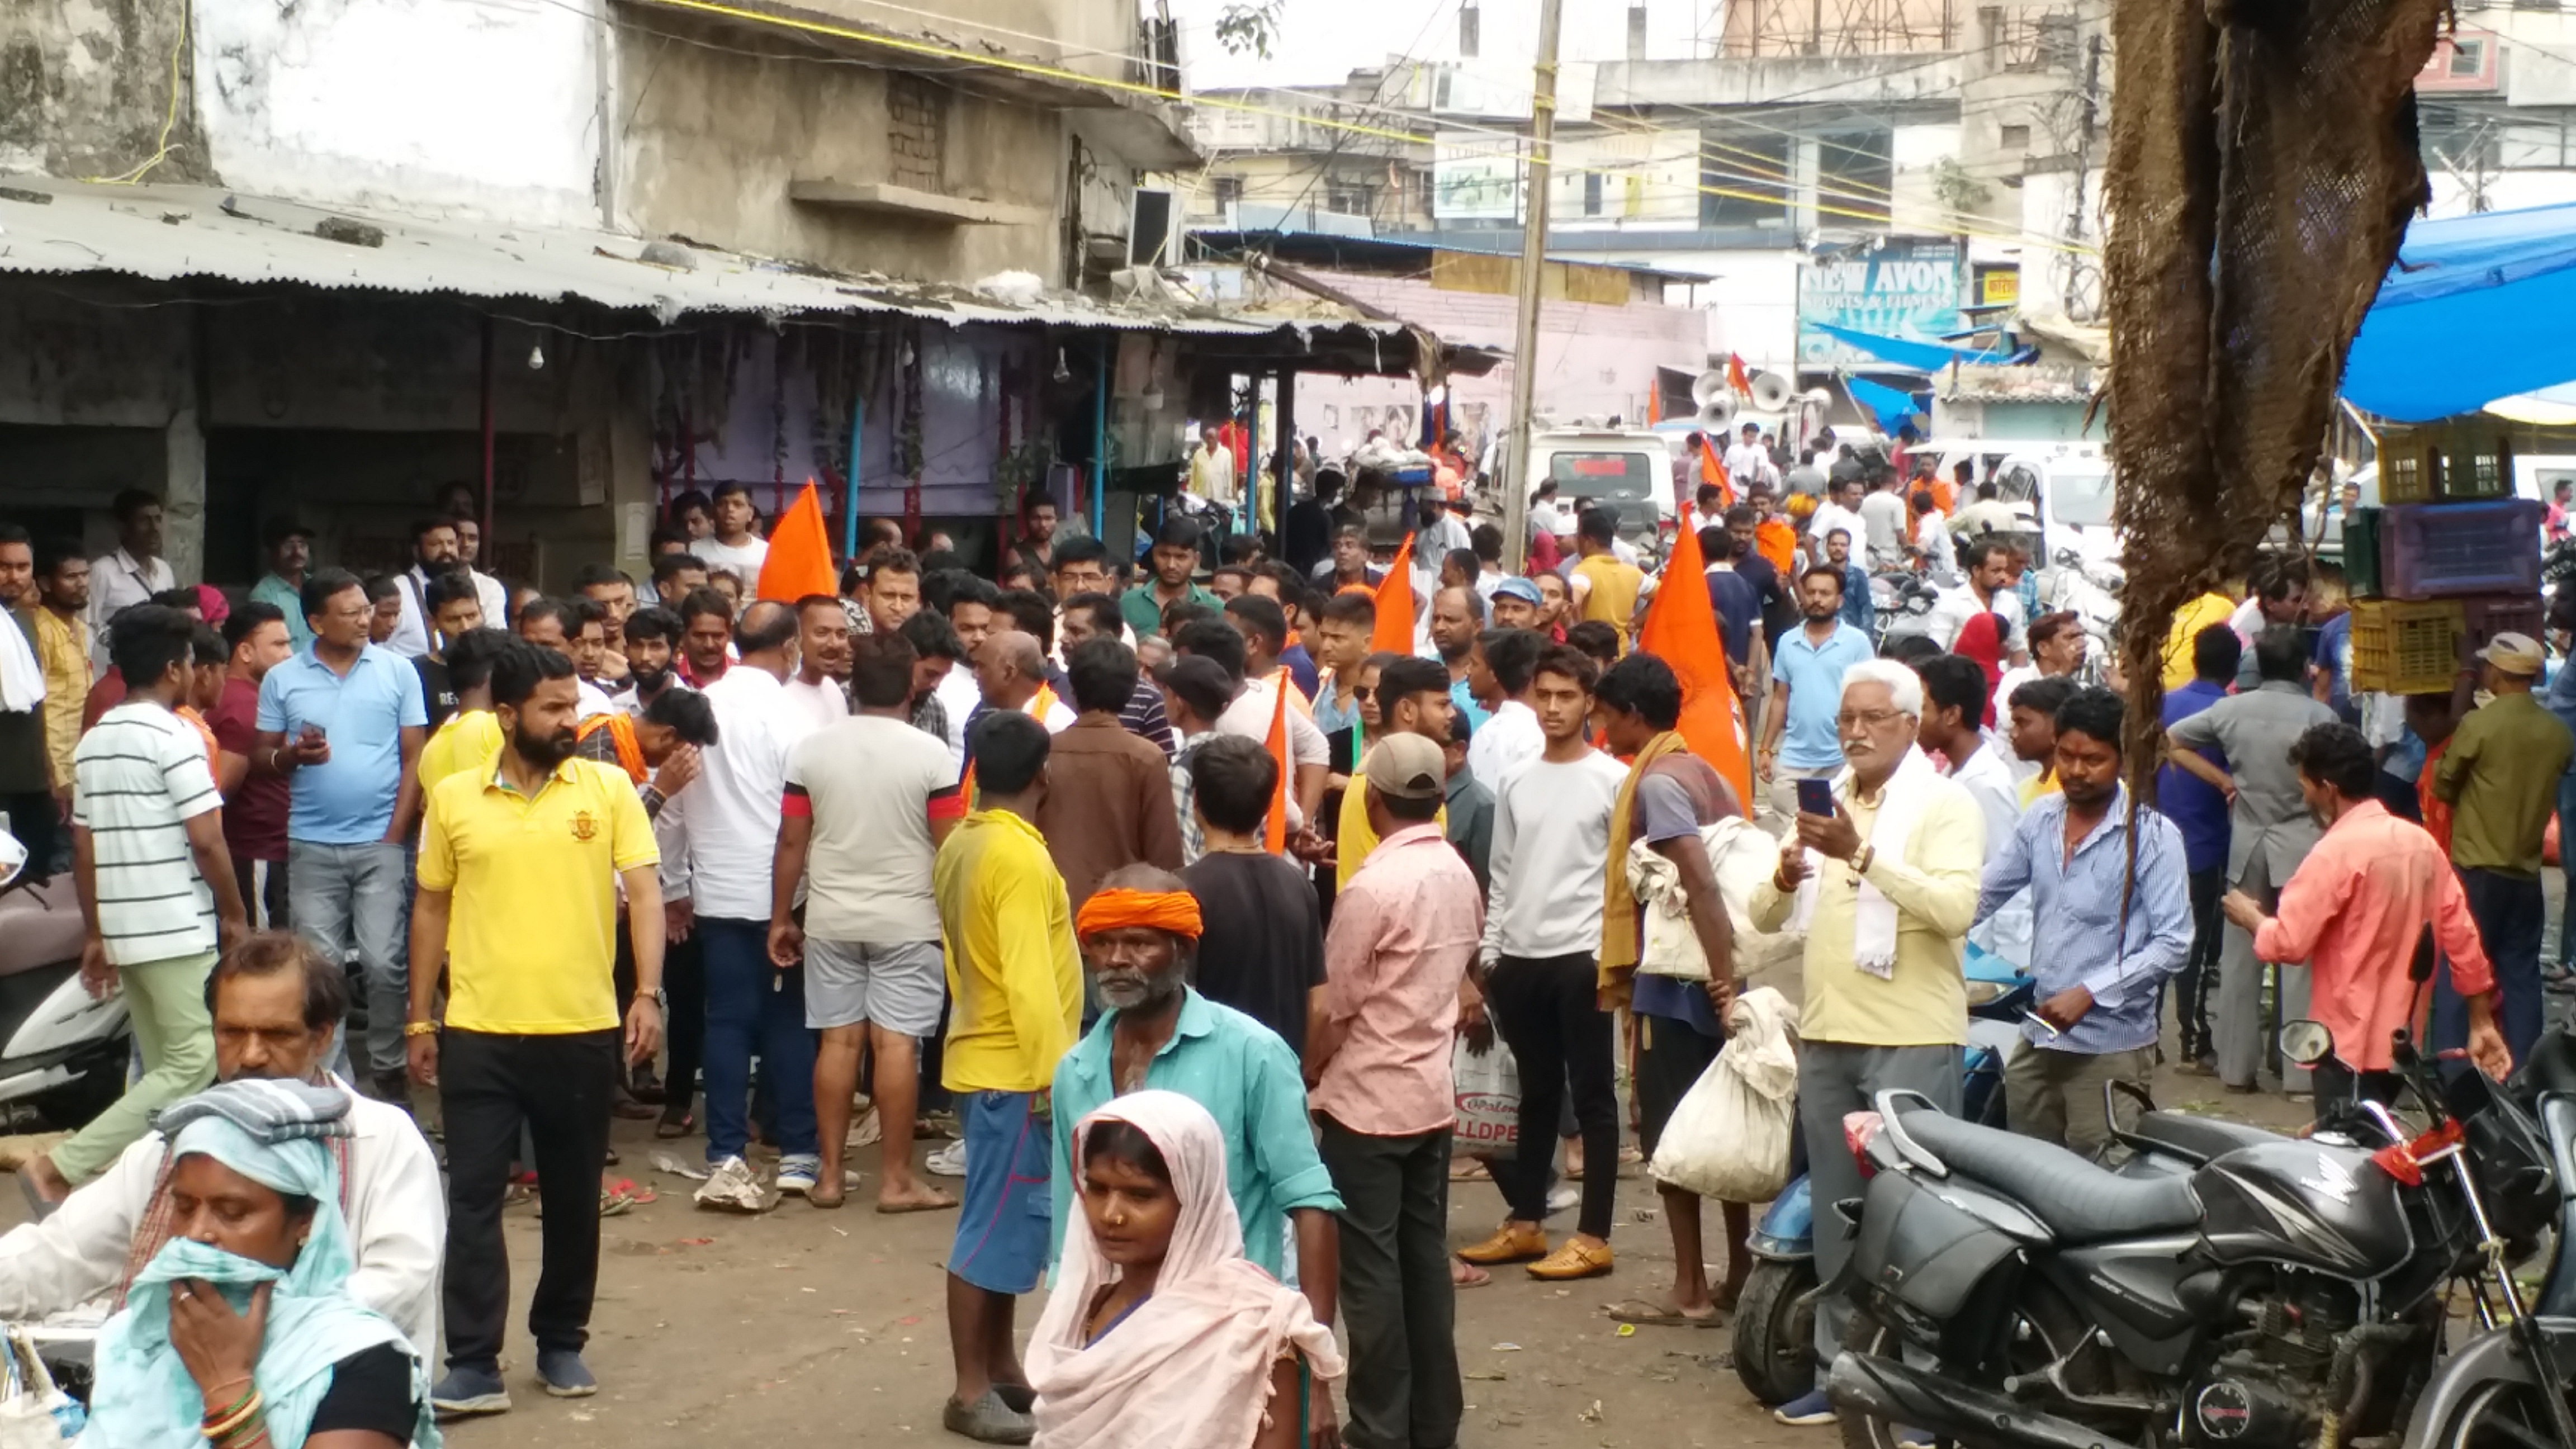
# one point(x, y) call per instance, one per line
point(1920, 1399)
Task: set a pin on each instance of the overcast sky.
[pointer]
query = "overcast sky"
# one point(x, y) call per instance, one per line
point(1321, 41)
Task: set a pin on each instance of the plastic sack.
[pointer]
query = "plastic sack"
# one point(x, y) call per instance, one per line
point(1488, 1084)
point(34, 1414)
point(1742, 856)
point(1729, 1137)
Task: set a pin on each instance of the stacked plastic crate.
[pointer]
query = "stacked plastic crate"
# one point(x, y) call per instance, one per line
point(2449, 560)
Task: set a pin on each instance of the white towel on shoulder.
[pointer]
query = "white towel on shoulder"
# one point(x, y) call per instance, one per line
point(22, 679)
point(1900, 806)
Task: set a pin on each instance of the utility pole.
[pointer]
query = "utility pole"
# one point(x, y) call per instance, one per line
point(1516, 480)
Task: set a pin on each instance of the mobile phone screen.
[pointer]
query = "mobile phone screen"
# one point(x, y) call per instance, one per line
point(1816, 797)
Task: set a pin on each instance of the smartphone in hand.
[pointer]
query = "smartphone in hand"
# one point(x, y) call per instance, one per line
point(1816, 797)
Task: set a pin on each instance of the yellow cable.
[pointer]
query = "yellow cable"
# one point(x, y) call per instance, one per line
point(169, 122)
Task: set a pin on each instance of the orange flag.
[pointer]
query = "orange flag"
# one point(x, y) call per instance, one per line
point(800, 554)
point(1274, 831)
point(1681, 630)
point(1394, 633)
point(1735, 377)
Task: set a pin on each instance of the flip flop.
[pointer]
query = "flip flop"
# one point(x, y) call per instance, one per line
point(1469, 1170)
point(666, 1129)
point(1477, 1278)
point(1651, 1316)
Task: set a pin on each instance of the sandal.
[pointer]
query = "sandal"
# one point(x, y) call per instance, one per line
point(680, 1126)
point(1649, 1315)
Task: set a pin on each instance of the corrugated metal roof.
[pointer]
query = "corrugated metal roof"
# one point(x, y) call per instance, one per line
point(166, 233)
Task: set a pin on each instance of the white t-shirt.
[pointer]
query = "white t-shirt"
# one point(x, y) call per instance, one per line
point(1249, 716)
point(744, 558)
point(139, 776)
point(814, 706)
point(1551, 843)
point(1830, 516)
point(1750, 463)
point(1212, 474)
point(1503, 744)
point(870, 783)
point(1955, 606)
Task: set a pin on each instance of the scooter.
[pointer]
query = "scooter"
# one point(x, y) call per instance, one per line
point(1775, 1319)
point(62, 1051)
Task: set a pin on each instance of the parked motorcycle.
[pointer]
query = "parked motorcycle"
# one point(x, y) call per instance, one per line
point(1900, 602)
point(62, 1051)
point(2287, 1293)
point(1774, 1325)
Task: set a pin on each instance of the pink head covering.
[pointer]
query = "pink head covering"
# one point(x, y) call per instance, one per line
point(1981, 639)
point(1192, 1364)
point(212, 606)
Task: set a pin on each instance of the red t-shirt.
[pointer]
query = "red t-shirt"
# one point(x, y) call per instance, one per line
point(255, 815)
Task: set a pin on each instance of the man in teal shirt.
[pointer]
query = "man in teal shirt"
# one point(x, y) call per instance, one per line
point(1139, 936)
point(290, 550)
point(1175, 558)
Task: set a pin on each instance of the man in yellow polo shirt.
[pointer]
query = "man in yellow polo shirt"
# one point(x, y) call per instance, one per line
point(519, 862)
point(2214, 605)
point(1015, 987)
point(468, 740)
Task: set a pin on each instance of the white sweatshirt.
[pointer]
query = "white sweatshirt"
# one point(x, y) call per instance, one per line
point(1551, 844)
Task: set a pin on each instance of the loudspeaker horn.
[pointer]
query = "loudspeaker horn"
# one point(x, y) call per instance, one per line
point(1772, 392)
point(1717, 413)
point(1709, 386)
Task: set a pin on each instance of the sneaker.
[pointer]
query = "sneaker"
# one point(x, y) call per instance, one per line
point(948, 1161)
point(732, 1186)
point(1562, 1196)
point(467, 1391)
point(797, 1175)
point(1806, 1411)
point(564, 1374)
point(988, 1420)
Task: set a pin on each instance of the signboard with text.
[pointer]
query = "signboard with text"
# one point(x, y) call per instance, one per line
point(1909, 287)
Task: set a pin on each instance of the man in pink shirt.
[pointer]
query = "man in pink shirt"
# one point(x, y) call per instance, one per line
point(1395, 966)
point(2354, 911)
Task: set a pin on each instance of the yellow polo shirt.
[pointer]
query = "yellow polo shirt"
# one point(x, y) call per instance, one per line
point(469, 741)
point(531, 929)
point(2188, 621)
point(1014, 975)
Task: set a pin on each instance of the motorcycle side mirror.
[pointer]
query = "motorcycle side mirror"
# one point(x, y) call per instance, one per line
point(2306, 1042)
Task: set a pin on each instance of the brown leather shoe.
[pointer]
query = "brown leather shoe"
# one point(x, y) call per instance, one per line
point(1573, 1258)
point(1507, 1245)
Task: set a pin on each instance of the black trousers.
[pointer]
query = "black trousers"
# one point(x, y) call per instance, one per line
point(1546, 1012)
point(489, 1087)
point(35, 819)
point(2334, 1083)
point(271, 912)
point(1397, 1301)
point(2194, 984)
point(684, 982)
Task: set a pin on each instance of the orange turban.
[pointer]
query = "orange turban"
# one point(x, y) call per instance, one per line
point(1119, 908)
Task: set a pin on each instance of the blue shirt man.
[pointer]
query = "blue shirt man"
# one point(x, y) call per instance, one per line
point(2194, 807)
point(2077, 935)
point(1858, 611)
point(1250, 1083)
point(1807, 682)
point(349, 798)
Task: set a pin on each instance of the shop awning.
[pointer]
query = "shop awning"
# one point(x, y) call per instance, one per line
point(1892, 406)
point(2476, 309)
point(1907, 352)
point(51, 226)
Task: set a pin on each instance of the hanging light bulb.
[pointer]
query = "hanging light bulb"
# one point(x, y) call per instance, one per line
point(537, 358)
point(1062, 372)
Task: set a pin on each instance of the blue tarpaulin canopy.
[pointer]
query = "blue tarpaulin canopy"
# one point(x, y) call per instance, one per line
point(1893, 407)
point(1906, 352)
point(2477, 308)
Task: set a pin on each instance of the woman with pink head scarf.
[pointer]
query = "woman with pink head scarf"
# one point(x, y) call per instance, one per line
point(1159, 1331)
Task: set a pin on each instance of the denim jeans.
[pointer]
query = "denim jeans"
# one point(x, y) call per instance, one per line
point(2508, 911)
point(752, 1006)
point(358, 896)
point(2567, 867)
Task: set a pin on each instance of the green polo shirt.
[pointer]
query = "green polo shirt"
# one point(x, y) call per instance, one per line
point(1248, 1080)
point(1145, 616)
point(2501, 776)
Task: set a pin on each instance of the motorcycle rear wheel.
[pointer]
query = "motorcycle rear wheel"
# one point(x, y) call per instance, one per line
point(1775, 1334)
point(2499, 1416)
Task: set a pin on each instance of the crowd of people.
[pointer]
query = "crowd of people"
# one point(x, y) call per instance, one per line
point(1175, 901)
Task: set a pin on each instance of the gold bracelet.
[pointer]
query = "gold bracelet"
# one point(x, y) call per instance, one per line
point(420, 1028)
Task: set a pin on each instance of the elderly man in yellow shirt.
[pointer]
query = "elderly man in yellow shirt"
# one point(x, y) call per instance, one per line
point(1890, 880)
point(1015, 984)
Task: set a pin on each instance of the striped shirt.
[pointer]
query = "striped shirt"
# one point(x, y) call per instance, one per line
point(141, 775)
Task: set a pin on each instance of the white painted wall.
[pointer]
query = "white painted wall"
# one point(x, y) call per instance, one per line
point(478, 106)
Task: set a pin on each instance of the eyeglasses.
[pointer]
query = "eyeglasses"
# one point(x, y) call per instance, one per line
point(1362, 691)
point(1871, 718)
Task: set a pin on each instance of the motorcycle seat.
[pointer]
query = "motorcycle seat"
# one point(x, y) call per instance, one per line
point(2078, 1201)
point(2199, 1138)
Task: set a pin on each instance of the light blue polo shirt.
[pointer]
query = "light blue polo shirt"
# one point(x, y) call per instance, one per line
point(1248, 1080)
point(1814, 675)
point(350, 799)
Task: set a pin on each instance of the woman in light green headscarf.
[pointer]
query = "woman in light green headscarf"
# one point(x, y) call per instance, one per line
point(240, 1332)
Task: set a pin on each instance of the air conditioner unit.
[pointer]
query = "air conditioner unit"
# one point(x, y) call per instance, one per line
point(1153, 228)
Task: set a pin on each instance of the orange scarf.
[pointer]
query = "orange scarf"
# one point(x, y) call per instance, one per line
point(621, 733)
point(1119, 908)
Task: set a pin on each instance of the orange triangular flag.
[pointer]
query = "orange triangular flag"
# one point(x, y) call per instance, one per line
point(1681, 630)
point(1394, 633)
point(800, 554)
point(1735, 377)
point(1274, 831)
